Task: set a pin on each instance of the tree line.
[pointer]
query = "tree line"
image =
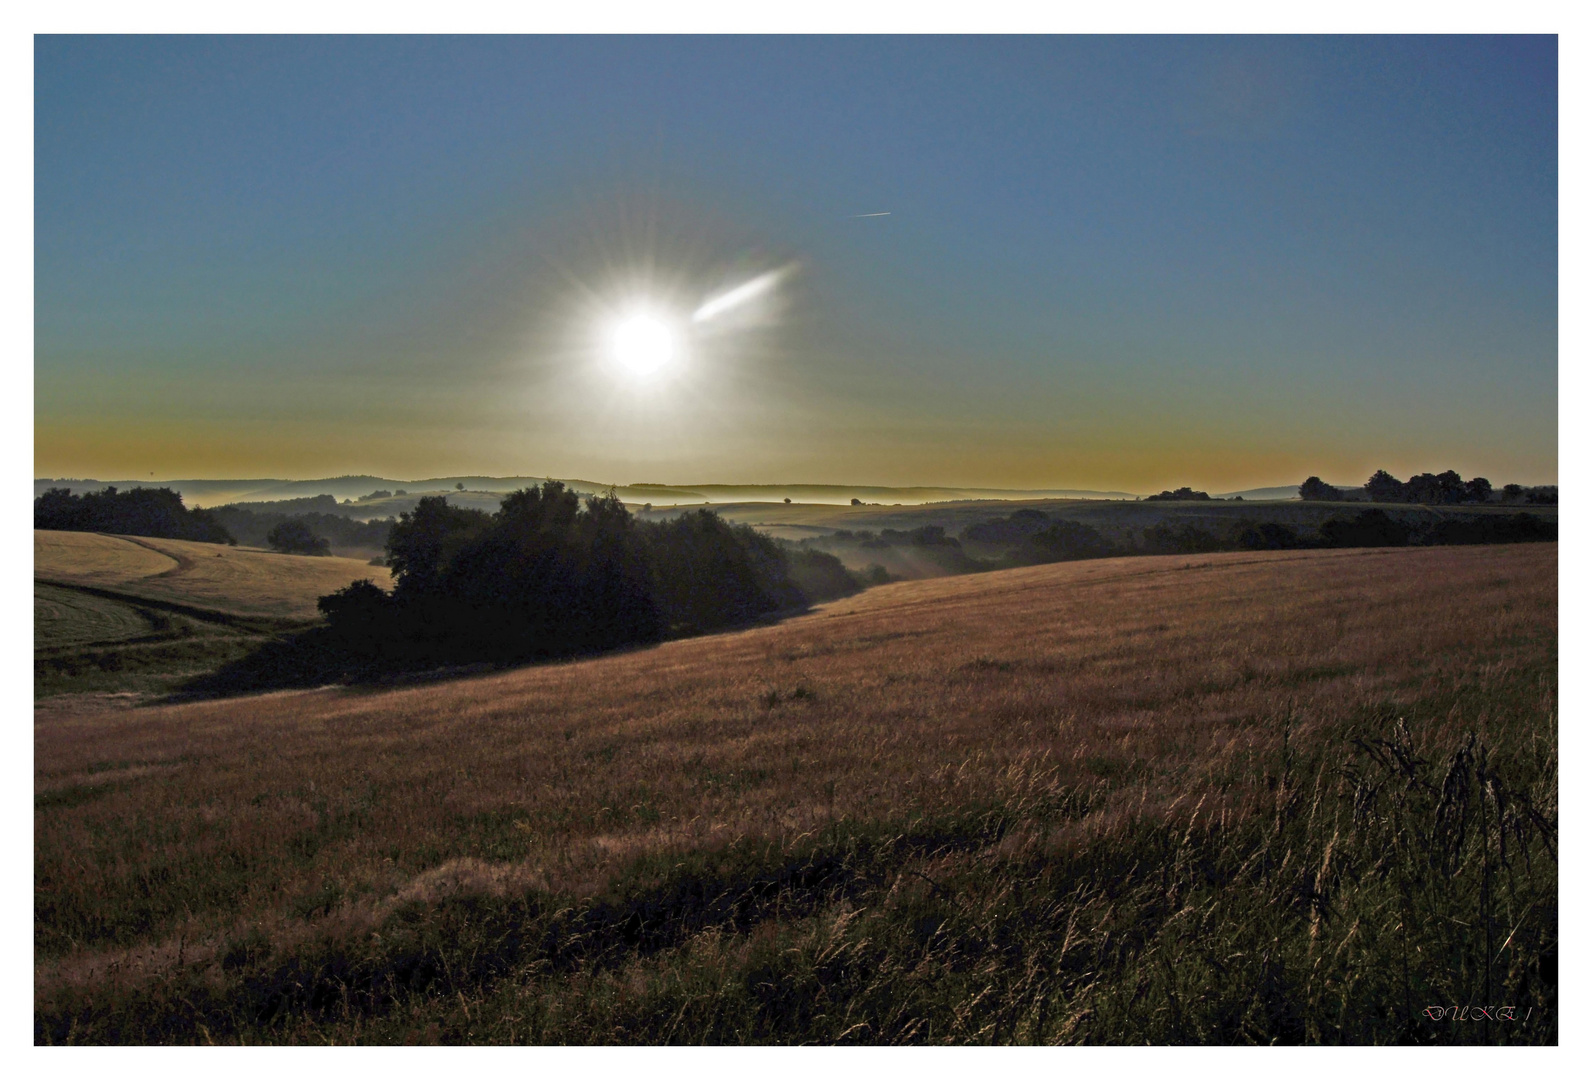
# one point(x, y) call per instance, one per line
point(1433, 489)
point(1032, 537)
point(139, 511)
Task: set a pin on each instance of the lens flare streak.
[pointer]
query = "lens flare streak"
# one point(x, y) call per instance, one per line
point(737, 296)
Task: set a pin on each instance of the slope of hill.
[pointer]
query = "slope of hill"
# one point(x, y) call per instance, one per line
point(1163, 799)
point(242, 581)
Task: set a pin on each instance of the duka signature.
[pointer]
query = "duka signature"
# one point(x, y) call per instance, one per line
point(1475, 1012)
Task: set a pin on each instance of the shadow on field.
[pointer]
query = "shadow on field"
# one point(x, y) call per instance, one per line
point(320, 656)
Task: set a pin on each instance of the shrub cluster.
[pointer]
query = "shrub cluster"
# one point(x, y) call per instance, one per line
point(137, 512)
point(1182, 494)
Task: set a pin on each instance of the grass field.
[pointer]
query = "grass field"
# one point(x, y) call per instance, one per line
point(143, 614)
point(1293, 796)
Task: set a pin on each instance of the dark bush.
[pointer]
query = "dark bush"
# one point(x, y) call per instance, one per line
point(819, 575)
point(1491, 529)
point(358, 611)
point(1065, 540)
point(1182, 539)
point(1008, 530)
point(1266, 536)
point(1182, 494)
point(1368, 528)
point(293, 537)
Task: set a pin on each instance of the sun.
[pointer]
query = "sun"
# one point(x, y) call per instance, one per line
point(642, 343)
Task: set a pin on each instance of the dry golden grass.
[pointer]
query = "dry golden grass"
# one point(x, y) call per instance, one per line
point(244, 581)
point(1157, 679)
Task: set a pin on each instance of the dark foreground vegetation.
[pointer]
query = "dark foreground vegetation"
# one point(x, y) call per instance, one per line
point(1054, 806)
point(137, 512)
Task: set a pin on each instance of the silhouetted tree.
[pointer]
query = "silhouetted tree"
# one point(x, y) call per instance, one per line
point(1314, 490)
point(1383, 486)
point(1182, 494)
point(425, 541)
point(1439, 488)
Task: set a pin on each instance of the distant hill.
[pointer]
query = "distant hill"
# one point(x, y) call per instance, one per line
point(219, 492)
point(1290, 491)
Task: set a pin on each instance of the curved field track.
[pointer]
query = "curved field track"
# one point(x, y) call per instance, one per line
point(244, 581)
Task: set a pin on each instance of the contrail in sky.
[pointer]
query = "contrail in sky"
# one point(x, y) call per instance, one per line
point(882, 213)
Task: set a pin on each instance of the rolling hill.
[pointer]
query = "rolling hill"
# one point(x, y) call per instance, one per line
point(1162, 799)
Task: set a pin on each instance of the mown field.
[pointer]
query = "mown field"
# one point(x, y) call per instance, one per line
point(143, 614)
point(1235, 798)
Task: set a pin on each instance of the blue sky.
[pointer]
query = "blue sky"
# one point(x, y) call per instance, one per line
point(1107, 262)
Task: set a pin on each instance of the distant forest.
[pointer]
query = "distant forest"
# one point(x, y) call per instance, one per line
point(138, 512)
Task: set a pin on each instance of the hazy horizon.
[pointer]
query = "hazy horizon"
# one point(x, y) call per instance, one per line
point(1085, 263)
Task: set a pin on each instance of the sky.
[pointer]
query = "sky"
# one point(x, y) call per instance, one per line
point(1092, 262)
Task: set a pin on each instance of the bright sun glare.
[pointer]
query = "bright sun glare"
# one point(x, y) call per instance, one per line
point(643, 344)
